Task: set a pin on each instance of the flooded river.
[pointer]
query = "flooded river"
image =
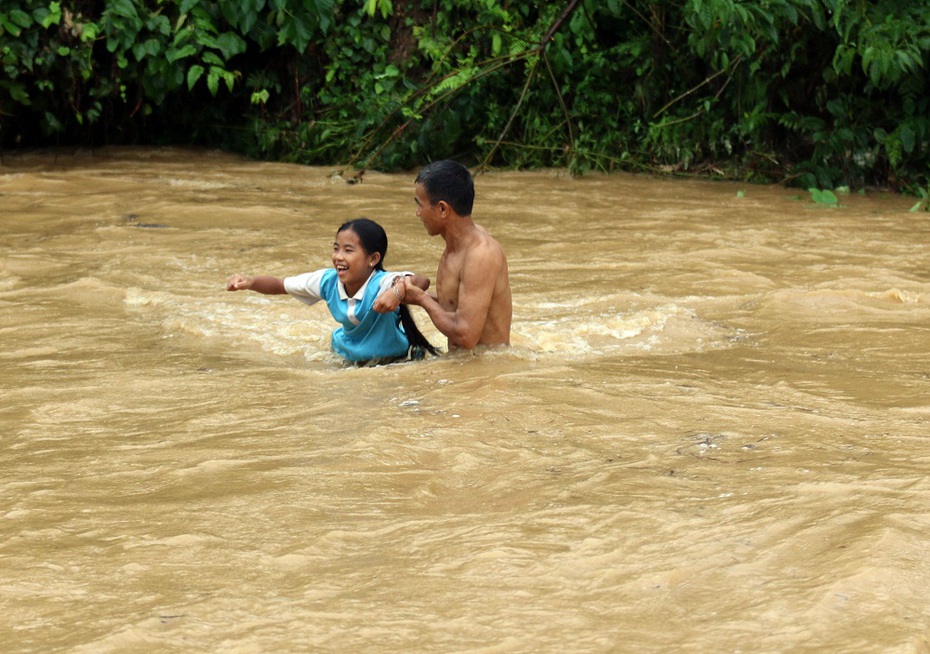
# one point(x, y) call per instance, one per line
point(709, 435)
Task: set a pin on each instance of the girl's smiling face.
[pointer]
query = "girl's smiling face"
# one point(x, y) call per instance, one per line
point(352, 262)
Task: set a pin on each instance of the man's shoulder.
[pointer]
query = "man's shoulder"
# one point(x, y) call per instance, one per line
point(485, 241)
point(493, 255)
point(484, 256)
point(479, 249)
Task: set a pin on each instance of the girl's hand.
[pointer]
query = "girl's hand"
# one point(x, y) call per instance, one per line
point(391, 297)
point(238, 283)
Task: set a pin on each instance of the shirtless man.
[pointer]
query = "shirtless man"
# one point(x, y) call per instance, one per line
point(472, 304)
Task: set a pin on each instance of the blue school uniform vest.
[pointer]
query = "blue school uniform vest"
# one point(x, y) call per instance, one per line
point(376, 336)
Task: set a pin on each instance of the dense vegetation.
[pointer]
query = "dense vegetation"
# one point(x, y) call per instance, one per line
point(821, 93)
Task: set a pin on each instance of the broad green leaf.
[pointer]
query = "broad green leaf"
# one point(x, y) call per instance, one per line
point(124, 8)
point(19, 93)
point(324, 10)
point(20, 18)
point(213, 82)
point(193, 74)
point(230, 44)
point(174, 55)
point(825, 197)
point(7, 26)
point(48, 17)
point(908, 138)
point(213, 58)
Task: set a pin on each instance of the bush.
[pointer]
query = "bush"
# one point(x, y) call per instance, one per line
point(819, 93)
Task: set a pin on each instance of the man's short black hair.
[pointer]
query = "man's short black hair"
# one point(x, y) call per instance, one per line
point(451, 182)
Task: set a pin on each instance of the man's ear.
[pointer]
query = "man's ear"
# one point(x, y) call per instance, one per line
point(444, 208)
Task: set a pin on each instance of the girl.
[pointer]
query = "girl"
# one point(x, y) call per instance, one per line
point(361, 295)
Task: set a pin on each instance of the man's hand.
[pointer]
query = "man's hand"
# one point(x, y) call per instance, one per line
point(406, 289)
point(412, 293)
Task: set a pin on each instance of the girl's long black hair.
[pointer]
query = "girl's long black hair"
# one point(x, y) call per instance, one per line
point(374, 239)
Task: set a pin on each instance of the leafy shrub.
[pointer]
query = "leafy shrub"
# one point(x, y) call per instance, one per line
point(817, 93)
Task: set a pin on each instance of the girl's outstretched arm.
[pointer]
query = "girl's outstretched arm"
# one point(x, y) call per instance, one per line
point(264, 284)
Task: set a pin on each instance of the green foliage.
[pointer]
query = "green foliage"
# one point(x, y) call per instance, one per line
point(924, 203)
point(824, 197)
point(815, 93)
point(81, 70)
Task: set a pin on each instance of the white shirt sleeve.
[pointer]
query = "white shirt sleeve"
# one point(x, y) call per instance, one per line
point(390, 277)
point(305, 287)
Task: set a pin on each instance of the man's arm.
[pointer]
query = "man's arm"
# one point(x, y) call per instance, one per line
point(464, 323)
point(395, 294)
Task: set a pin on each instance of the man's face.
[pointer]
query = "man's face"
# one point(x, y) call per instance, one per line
point(427, 212)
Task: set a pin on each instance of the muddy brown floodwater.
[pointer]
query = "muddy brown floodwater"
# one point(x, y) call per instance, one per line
point(709, 435)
